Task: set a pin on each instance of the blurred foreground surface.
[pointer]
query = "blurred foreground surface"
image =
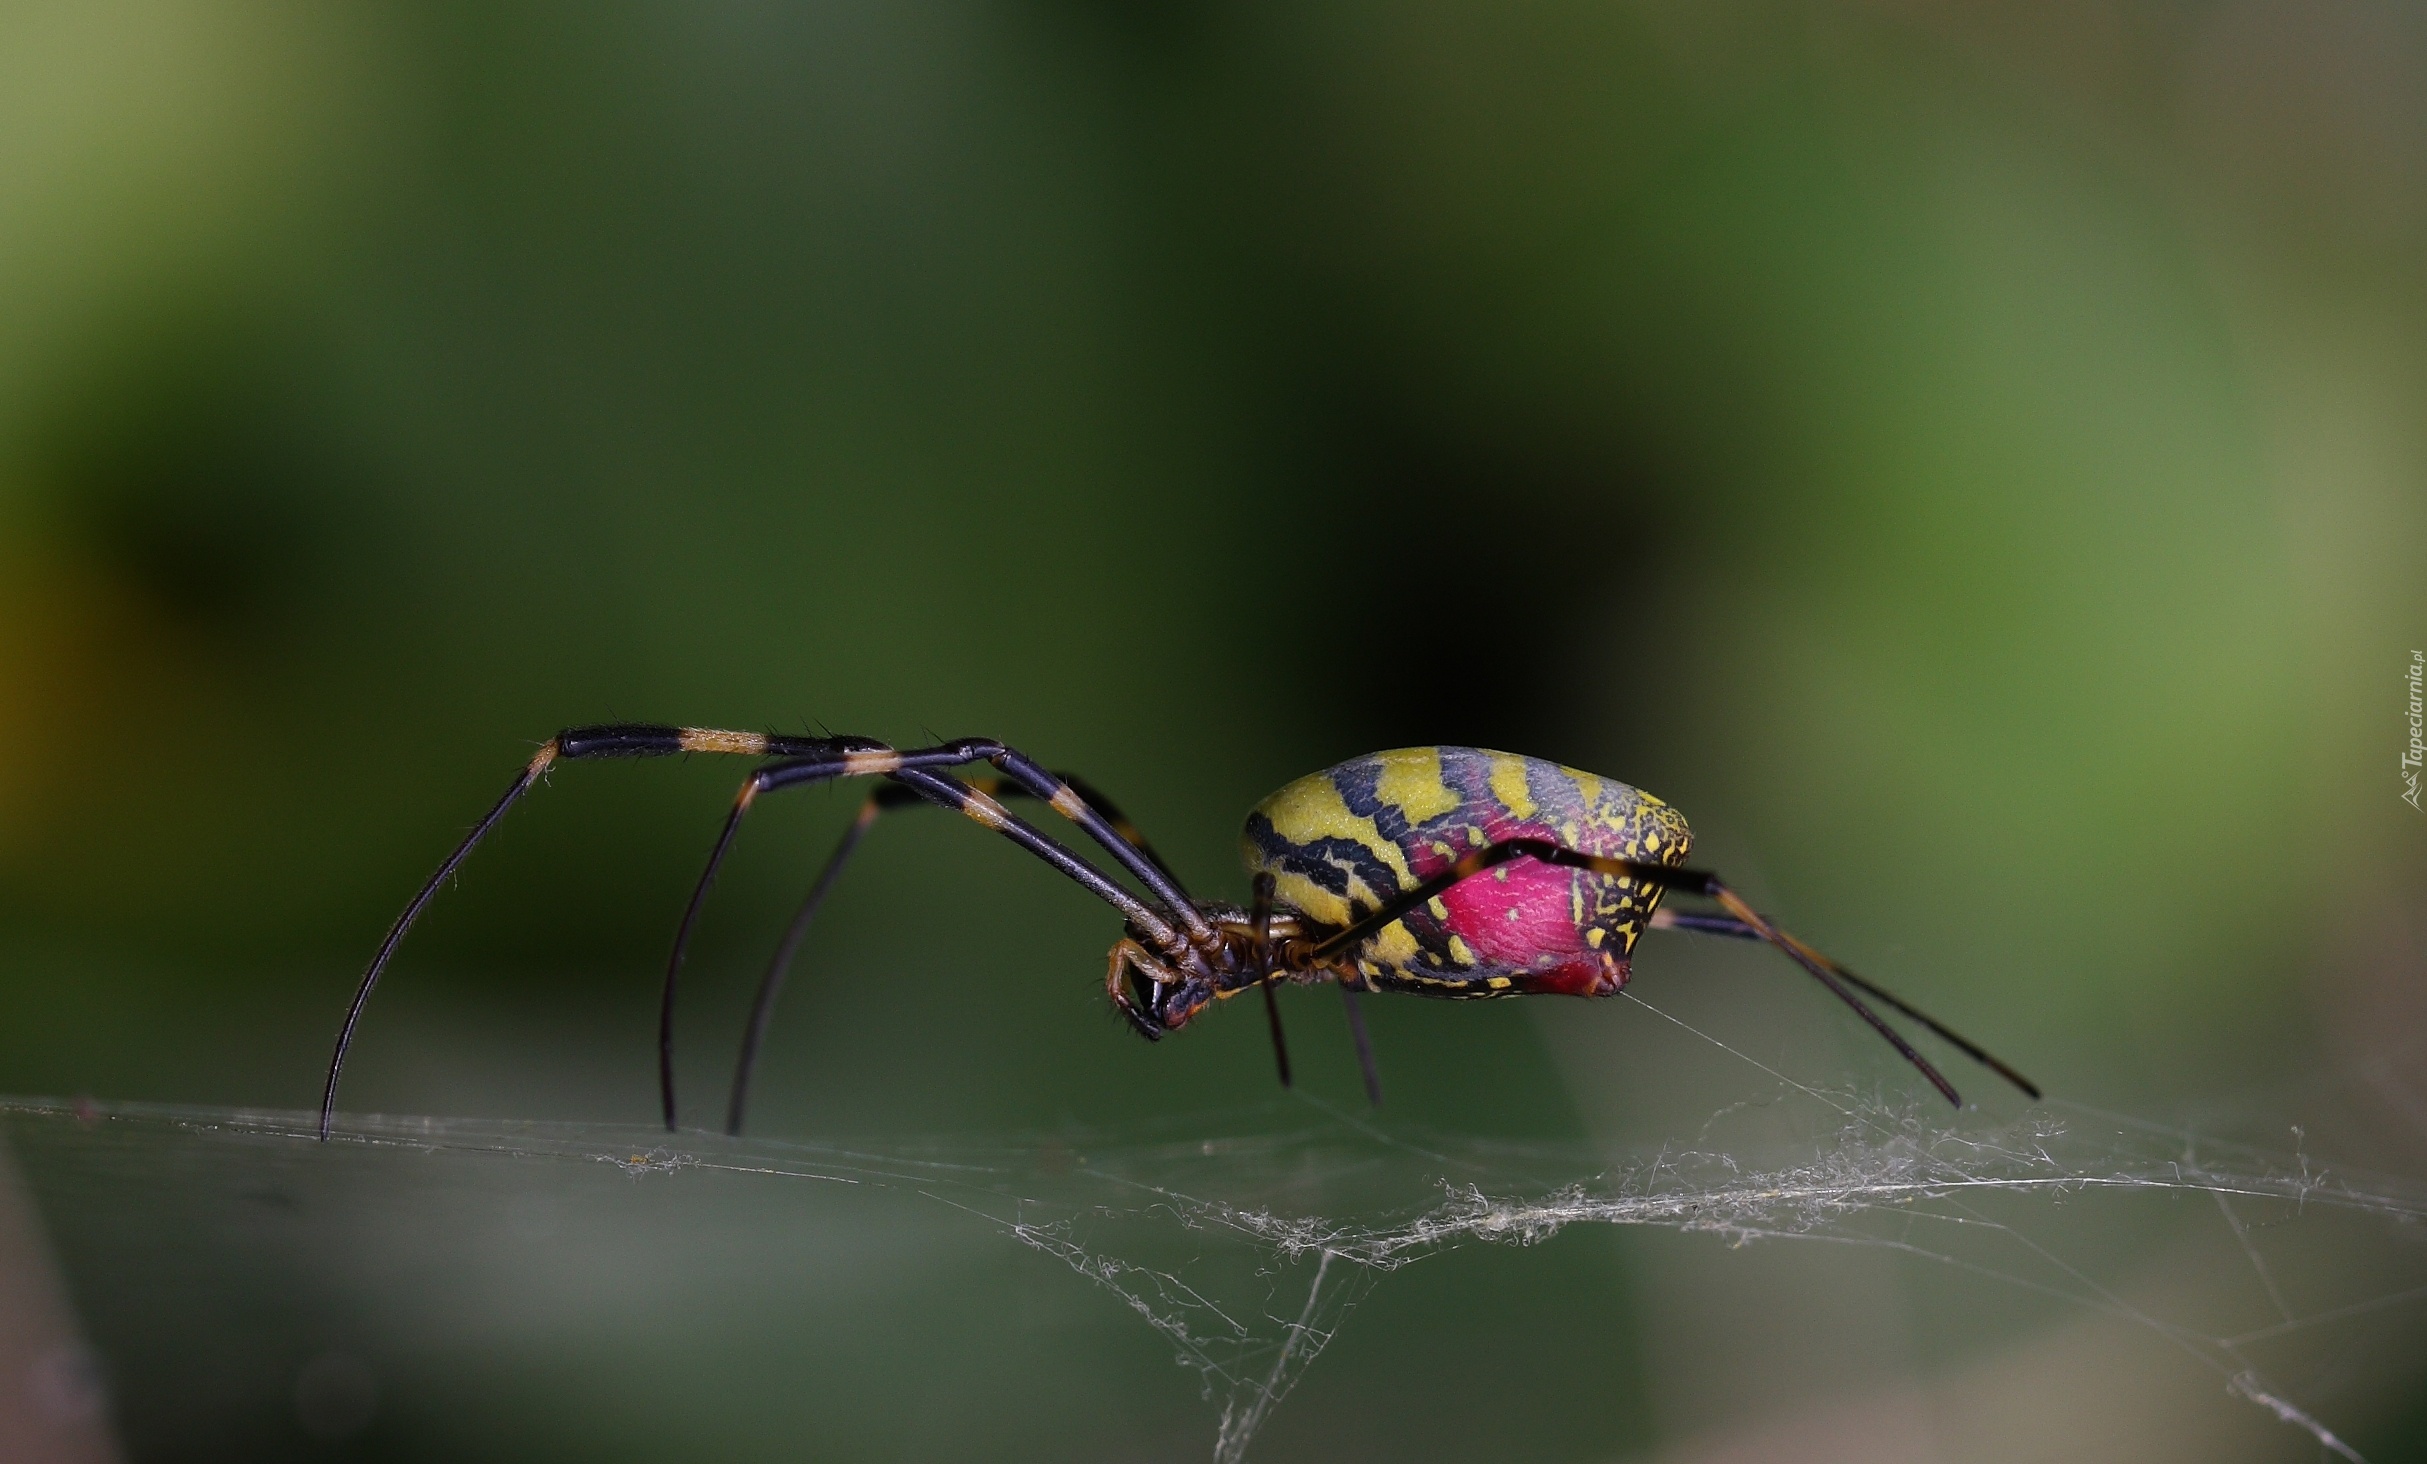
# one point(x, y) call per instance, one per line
point(478, 1289)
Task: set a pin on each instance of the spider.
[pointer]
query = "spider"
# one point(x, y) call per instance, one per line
point(1442, 871)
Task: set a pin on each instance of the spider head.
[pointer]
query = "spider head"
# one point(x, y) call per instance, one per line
point(1156, 995)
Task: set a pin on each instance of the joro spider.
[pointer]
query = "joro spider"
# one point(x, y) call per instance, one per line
point(1441, 871)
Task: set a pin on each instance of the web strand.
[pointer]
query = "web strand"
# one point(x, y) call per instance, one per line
point(1245, 1239)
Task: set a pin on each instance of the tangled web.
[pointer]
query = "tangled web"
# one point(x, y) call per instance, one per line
point(1895, 1177)
point(1247, 1244)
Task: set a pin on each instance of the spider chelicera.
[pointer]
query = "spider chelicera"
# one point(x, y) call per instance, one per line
point(1442, 871)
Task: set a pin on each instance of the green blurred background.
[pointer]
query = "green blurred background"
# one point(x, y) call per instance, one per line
point(1968, 458)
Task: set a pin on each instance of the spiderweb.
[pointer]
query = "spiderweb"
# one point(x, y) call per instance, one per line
point(1245, 1241)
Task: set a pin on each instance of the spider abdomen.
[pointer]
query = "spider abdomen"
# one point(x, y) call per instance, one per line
point(1340, 842)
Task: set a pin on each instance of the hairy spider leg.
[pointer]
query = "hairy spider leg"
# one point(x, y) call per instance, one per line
point(1691, 881)
point(1730, 926)
point(1259, 921)
point(617, 740)
point(912, 769)
point(882, 800)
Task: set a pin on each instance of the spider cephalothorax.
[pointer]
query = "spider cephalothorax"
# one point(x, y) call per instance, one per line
point(1441, 871)
point(1159, 991)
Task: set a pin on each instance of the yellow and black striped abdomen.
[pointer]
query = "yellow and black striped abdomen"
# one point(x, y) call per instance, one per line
point(1340, 842)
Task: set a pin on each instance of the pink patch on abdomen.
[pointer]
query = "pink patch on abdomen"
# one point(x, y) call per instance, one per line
point(1525, 925)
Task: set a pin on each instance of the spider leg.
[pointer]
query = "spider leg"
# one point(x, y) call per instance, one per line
point(1729, 925)
point(1119, 821)
point(1128, 955)
point(916, 770)
point(762, 1007)
point(809, 759)
point(1365, 1044)
point(617, 740)
point(883, 800)
point(1104, 825)
point(1259, 920)
point(1692, 881)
